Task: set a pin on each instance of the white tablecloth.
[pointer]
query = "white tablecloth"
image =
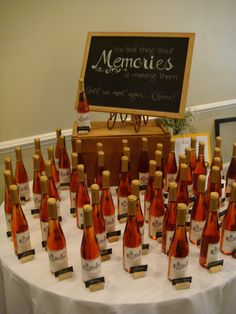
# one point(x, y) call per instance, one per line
point(31, 288)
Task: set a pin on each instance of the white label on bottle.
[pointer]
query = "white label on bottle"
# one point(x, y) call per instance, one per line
point(57, 259)
point(24, 190)
point(57, 162)
point(229, 241)
point(58, 209)
point(91, 269)
point(212, 252)
point(102, 240)
point(190, 190)
point(58, 188)
point(44, 230)
point(178, 267)
point(141, 229)
point(8, 221)
point(37, 200)
point(147, 208)
point(80, 217)
point(64, 175)
point(132, 256)
point(228, 185)
point(143, 178)
point(169, 236)
point(170, 177)
point(196, 228)
point(155, 225)
point(110, 223)
point(72, 199)
point(23, 242)
point(123, 205)
point(83, 119)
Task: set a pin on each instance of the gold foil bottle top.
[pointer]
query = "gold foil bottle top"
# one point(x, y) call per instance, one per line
point(8, 178)
point(44, 184)
point(135, 188)
point(124, 142)
point(215, 174)
point(181, 214)
point(201, 148)
point(106, 179)
point(233, 192)
point(193, 142)
point(50, 153)
point(234, 150)
point(160, 147)
point(183, 172)
point(172, 145)
point(217, 152)
point(18, 153)
point(95, 194)
point(81, 85)
point(48, 168)
point(188, 154)
point(218, 141)
point(14, 194)
point(126, 152)
point(37, 144)
point(88, 218)
point(182, 159)
point(201, 183)
point(58, 132)
point(144, 144)
point(74, 160)
point(8, 164)
point(78, 146)
point(124, 164)
point(132, 199)
point(216, 161)
point(100, 156)
point(36, 162)
point(62, 141)
point(152, 167)
point(214, 201)
point(99, 146)
point(52, 208)
point(80, 171)
point(158, 180)
point(172, 191)
point(158, 157)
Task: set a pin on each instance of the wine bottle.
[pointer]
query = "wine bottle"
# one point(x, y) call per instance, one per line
point(157, 209)
point(107, 205)
point(57, 150)
point(132, 240)
point(8, 203)
point(74, 180)
point(123, 188)
point(193, 158)
point(198, 213)
point(55, 172)
point(139, 212)
point(169, 220)
point(200, 166)
point(98, 219)
point(126, 152)
point(171, 167)
point(158, 159)
point(56, 242)
point(89, 250)
point(214, 185)
point(21, 177)
point(149, 193)
point(64, 164)
point(36, 182)
point(231, 172)
point(179, 248)
point(189, 171)
point(19, 224)
point(210, 234)
point(215, 162)
point(182, 160)
point(143, 165)
point(99, 148)
point(228, 232)
point(8, 166)
point(100, 168)
point(82, 196)
point(182, 192)
point(83, 110)
point(38, 152)
point(43, 213)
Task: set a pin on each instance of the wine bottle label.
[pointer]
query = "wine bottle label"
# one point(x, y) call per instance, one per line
point(8, 221)
point(190, 190)
point(44, 230)
point(72, 199)
point(141, 229)
point(212, 252)
point(228, 186)
point(170, 177)
point(123, 205)
point(58, 188)
point(23, 241)
point(57, 259)
point(169, 236)
point(37, 200)
point(143, 178)
point(196, 228)
point(80, 217)
point(229, 241)
point(155, 225)
point(132, 256)
point(110, 223)
point(64, 175)
point(102, 240)
point(178, 267)
point(147, 208)
point(24, 190)
point(83, 120)
point(91, 268)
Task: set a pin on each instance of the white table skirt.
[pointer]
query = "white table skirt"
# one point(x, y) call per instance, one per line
point(31, 288)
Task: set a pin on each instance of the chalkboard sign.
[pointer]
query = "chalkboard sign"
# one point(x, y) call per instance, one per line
point(138, 73)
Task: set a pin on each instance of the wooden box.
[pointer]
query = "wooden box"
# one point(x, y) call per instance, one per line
point(112, 145)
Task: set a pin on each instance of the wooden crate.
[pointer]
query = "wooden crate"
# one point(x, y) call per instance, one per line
point(112, 145)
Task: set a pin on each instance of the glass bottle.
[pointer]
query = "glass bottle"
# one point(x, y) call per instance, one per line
point(132, 239)
point(157, 209)
point(215, 162)
point(126, 152)
point(193, 157)
point(171, 167)
point(139, 212)
point(107, 205)
point(83, 109)
point(179, 247)
point(56, 242)
point(82, 196)
point(158, 159)
point(36, 182)
point(231, 172)
point(21, 177)
point(200, 166)
point(55, 172)
point(214, 185)
point(64, 164)
point(169, 221)
point(143, 165)
point(19, 224)
point(57, 149)
point(89, 250)
point(100, 168)
point(210, 234)
point(182, 192)
point(7, 202)
point(124, 145)
point(8, 166)
point(198, 213)
point(228, 231)
point(43, 213)
point(189, 171)
point(98, 219)
point(38, 152)
point(149, 193)
point(182, 160)
point(74, 180)
point(123, 188)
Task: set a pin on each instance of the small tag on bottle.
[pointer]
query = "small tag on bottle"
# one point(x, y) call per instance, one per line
point(8, 234)
point(192, 199)
point(122, 217)
point(138, 271)
point(22, 200)
point(159, 234)
point(215, 267)
point(165, 195)
point(73, 211)
point(222, 213)
point(95, 284)
point(26, 256)
point(182, 283)
point(145, 248)
point(60, 218)
point(64, 273)
point(83, 129)
point(113, 235)
point(64, 186)
point(35, 212)
point(44, 244)
point(105, 254)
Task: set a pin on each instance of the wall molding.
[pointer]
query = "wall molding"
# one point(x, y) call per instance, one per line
point(48, 138)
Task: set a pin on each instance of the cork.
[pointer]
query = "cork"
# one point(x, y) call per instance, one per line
point(124, 142)
point(74, 160)
point(58, 132)
point(193, 142)
point(14, 194)
point(172, 191)
point(188, 154)
point(48, 168)
point(218, 141)
point(124, 164)
point(160, 147)
point(183, 171)
point(52, 208)
point(18, 153)
point(201, 148)
point(233, 192)
point(62, 141)
point(132, 205)
point(88, 218)
point(182, 159)
point(135, 188)
point(181, 214)
point(158, 157)
point(99, 146)
point(100, 156)
point(106, 179)
point(214, 201)
point(8, 164)
point(201, 183)
point(36, 162)
point(158, 180)
point(50, 153)
point(152, 167)
point(126, 152)
point(78, 146)
point(44, 184)
point(37, 144)
point(95, 194)
point(144, 143)
point(80, 171)
point(216, 161)
point(215, 174)
point(8, 178)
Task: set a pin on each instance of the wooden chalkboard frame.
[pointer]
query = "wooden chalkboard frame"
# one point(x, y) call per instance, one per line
point(185, 82)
